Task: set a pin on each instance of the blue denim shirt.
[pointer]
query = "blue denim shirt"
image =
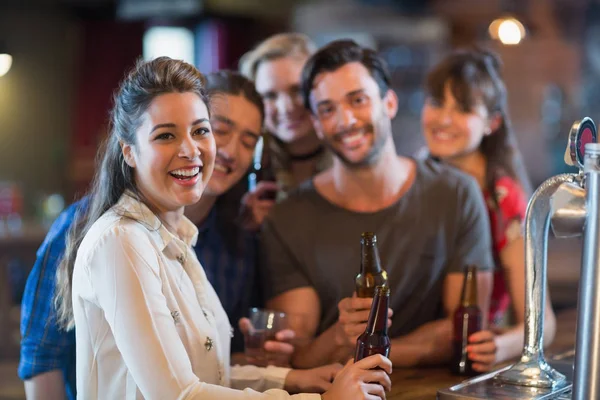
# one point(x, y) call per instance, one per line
point(228, 255)
point(45, 347)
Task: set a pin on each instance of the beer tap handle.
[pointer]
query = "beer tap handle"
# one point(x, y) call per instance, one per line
point(582, 132)
point(568, 202)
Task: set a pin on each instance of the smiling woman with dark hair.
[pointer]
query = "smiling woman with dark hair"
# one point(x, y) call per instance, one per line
point(466, 124)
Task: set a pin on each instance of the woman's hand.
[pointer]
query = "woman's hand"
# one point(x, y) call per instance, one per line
point(483, 350)
point(315, 380)
point(257, 204)
point(366, 379)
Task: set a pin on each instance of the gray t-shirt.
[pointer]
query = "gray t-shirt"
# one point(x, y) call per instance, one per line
point(439, 226)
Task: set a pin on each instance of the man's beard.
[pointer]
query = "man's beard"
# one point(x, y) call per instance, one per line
point(380, 137)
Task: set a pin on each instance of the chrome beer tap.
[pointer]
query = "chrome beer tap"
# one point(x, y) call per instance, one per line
point(586, 378)
point(561, 203)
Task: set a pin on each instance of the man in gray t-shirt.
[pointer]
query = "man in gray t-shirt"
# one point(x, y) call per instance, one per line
point(430, 222)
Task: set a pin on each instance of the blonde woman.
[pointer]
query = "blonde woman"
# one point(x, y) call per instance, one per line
point(296, 153)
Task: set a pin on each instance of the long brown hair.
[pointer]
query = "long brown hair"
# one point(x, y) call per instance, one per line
point(474, 75)
point(114, 176)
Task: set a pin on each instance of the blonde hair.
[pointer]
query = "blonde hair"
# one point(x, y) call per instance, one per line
point(277, 46)
point(281, 45)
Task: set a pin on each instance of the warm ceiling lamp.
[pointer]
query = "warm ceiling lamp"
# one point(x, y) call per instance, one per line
point(5, 61)
point(508, 30)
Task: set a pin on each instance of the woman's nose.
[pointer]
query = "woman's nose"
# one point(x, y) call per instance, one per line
point(189, 148)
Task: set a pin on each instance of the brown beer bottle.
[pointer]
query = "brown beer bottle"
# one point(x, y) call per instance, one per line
point(262, 168)
point(371, 274)
point(375, 339)
point(467, 320)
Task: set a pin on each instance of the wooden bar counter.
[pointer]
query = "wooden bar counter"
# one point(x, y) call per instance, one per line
point(423, 383)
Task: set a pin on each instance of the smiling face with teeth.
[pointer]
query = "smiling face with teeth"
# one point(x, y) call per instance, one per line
point(236, 124)
point(278, 82)
point(450, 131)
point(351, 116)
point(174, 153)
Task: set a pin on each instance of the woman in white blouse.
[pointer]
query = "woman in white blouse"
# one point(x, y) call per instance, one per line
point(149, 324)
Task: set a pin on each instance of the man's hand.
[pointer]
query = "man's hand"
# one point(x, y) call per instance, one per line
point(352, 322)
point(278, 352)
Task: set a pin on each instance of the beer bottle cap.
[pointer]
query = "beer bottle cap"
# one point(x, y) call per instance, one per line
point(368, 237)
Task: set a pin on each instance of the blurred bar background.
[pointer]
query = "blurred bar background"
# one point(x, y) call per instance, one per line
point(61, 60)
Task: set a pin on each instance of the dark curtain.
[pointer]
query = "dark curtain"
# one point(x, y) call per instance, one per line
point(107, 50)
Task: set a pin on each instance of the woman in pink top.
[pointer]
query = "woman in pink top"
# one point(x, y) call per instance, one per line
point(466, 124)
point(149, 324)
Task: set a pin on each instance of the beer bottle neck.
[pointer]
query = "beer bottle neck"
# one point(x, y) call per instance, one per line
point(261, 164)
point(370, 259)
point(378, 317)
point(469, 292)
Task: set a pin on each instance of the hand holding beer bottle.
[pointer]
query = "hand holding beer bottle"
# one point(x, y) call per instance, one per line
point(262, 188)
point(354, 314)
point(365, 379)
point(354, 311)
point(375, 339)
point(466, 321)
